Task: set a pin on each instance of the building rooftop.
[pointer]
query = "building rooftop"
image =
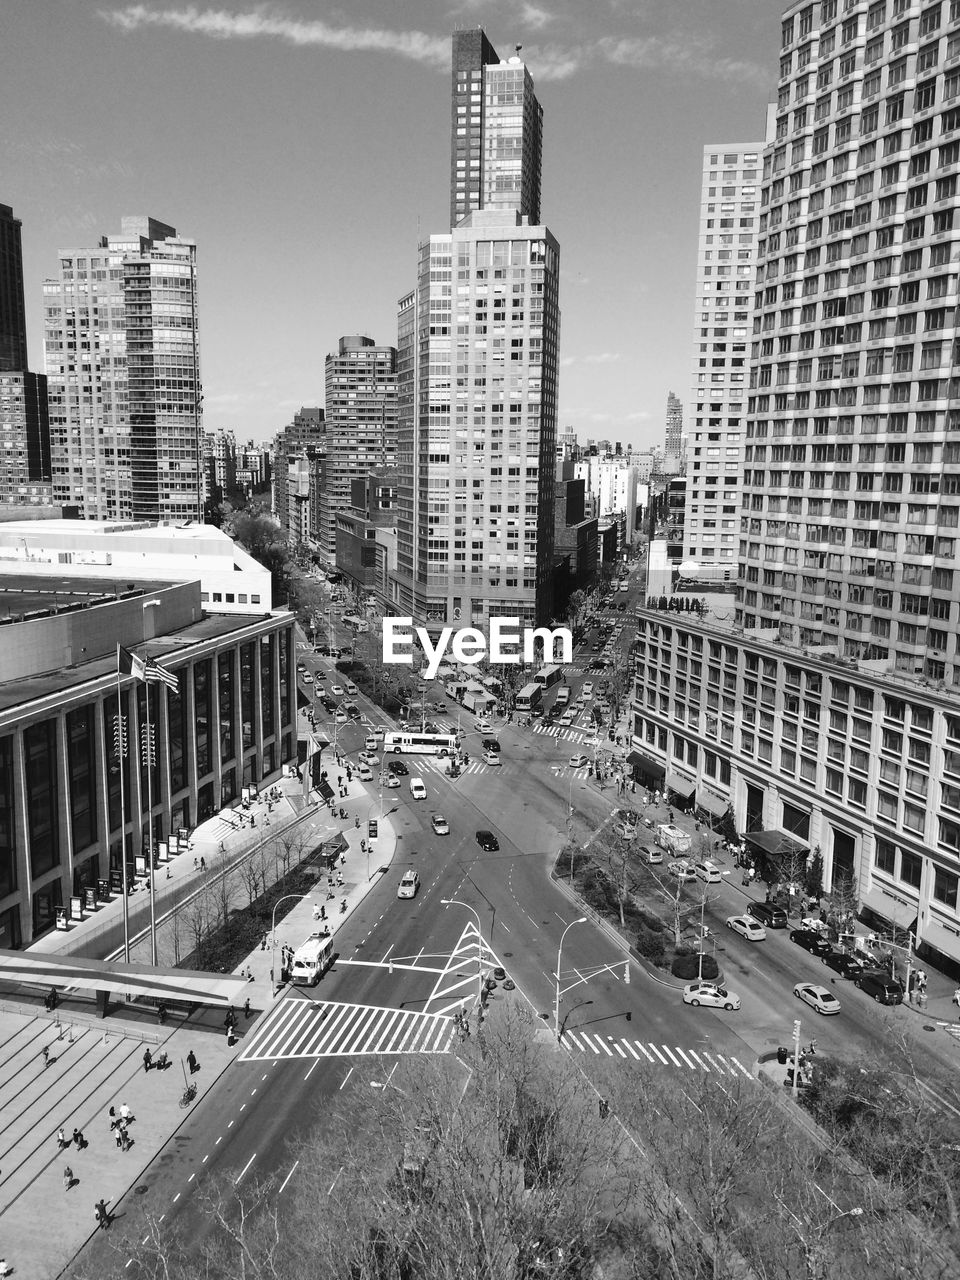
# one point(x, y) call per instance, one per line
point(27, 597)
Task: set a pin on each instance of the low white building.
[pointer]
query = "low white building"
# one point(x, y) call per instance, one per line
point(231, 581)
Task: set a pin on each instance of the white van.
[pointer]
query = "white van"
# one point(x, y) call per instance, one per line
point(311, 960)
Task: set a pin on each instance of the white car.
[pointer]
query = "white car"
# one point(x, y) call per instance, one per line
point(417, 790)
point(368, 757)
point(577, 762)
point(568, 717)
point(441, 826)
point(364, 772)
point(652, 857)
point(378, 732)
point(306, 677)
point(484, 726)
point(391, 780)
point(370, 742)
point(709, 993)
point(817, 997)
point(491, 757)
point(341, 717)
point(682, 870)
point(707, 872)
point(587, 689)
point(747, 927)
point(352, 689)
point(337, 690)
point(408, 885)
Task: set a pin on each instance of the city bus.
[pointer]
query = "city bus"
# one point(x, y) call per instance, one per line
point(547, 677)
point(413, 743)
point(530, 696)
point(358, 624)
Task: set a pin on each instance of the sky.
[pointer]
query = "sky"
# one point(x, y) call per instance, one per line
point(305, 146)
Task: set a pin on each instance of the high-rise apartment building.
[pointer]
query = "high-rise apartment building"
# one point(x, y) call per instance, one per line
point(361, 425)
point(24, 424)
point(496, 132)
point(673, 434)
point(726, 270)
point(122, 359)
point(477, 367)
point(827, 711)
point(298, 451)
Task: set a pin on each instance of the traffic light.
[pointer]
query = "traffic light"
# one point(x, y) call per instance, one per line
point(372, 828)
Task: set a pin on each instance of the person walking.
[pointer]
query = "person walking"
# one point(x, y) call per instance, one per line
point(246, 1007)
point(62, 1138)
point(126, 1115)
point(147, 1060)
point(192, 1063)
point(46, 1056)
point(79, 1141)
point(103, 1216)
point(203, 864)
point(67, 1177)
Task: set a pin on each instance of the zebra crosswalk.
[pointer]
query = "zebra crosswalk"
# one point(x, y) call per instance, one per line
point(656, 1055)
point(430, 764)
point(571, 733)
point(304, 1028)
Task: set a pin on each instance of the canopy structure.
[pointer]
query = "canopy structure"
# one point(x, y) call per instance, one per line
point(682, 786)
point(776, 844)
point(711, 802)
point(190, 985)
point(647, 766)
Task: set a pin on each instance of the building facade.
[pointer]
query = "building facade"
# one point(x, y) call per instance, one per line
point(123, 366)
point(230, 724)
point(361, 418)
point(13, 317)
point(305, 439)
point(477, 362)
point(726, 269)
point(673, 433)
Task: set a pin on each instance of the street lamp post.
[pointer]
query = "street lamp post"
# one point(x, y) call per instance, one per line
point(301, 897)
point(556, 1003)
point(455, 902)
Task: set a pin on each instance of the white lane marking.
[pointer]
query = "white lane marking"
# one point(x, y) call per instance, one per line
point(288, 1177)
point(244, 1169)
point(644, 1050)
point(658, 1053)
point(347, 1077)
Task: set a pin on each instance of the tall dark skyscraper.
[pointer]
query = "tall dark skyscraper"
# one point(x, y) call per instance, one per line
point(24, 423)
point(477, 359)
point(496, 132)
point(13, 323)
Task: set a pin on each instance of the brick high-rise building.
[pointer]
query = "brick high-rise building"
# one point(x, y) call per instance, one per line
point(123, 366)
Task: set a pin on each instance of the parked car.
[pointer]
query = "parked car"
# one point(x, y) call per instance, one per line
point(710, 994)
point(747, 927)
point(417, 790)
point(488, 841)
point(883, 988)
point(773, 917)
point(682, 871)
point(842, 962)
point(398, 767)
point(820, 998)
point(811, 940)
point(440, 825)
point(409, 885)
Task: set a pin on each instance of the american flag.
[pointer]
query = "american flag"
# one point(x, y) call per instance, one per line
point(128, 664)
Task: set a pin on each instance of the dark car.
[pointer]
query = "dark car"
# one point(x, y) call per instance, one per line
point(883, 988)
point(398, 767)
point(488, 841)
point(621, 607)
point(328, 704)
point(843, 962)
point(811, 940)
point(773, 917)
point(354, 712)
point(491, 744)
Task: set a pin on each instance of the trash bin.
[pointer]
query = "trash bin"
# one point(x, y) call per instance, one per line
point(782, 1055)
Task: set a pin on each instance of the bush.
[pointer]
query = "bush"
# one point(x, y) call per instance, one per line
point(650, 945)
point(652, 922)
point(686, 965)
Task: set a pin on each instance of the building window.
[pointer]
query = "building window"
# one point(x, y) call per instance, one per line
point(885, 857)
point(43, 831)
point(911, 869)
point(945, 888)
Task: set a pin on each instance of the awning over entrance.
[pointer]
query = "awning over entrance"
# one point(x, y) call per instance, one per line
point(945, 940)
point(190, 985)
point(712, 803)
point(325, 789)
point(682, 786)
point(891, 907)
point(637, 760)
point(776, 844)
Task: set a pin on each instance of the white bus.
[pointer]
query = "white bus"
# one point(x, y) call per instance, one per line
point(358, 624)
point(547, 677)
point(530, 696)
point(311, 960)
point(413, 743)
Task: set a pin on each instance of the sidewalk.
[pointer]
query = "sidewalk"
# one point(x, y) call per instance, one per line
point(98, 1063)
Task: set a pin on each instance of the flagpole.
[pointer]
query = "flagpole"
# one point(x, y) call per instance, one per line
point(121, 753)
point(150, 758)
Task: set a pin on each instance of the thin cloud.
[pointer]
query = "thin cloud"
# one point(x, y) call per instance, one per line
point(603, 357)
point(683, 54)
point(535, 17)
point(259, 23)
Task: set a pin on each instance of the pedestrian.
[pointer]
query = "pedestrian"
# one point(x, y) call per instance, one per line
point(103, 1217)
point(161, 1013)
point(263, 943)
point(67, 1177)
point(118, 1135)
point(147, 1060)
point(222, 847)
point(114, 1119)
point(192, 1062)
point(316, 912)
point(922, 979)
point(62, 1138)
point(126, 1115)
point(126, 1142)
point(46, 1056)
point(196, 865)
point(79, 1141)
point(203, 864)
point(246, 1008)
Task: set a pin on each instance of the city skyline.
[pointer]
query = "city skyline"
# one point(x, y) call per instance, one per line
point(343, 204)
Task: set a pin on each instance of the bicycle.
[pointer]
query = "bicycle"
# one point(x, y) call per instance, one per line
point(189, 1093)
